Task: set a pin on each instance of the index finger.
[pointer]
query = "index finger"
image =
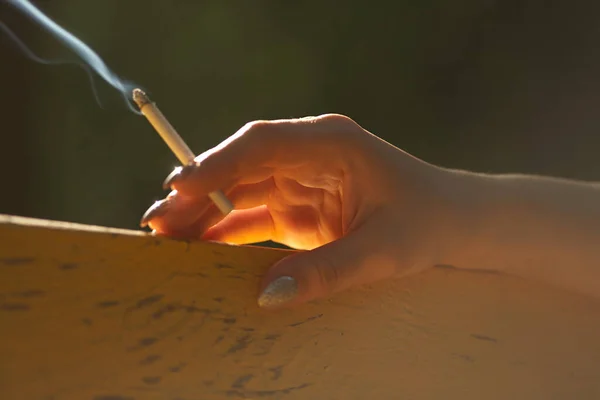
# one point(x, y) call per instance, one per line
point(260, 148)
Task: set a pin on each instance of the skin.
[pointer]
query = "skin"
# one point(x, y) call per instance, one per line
point(365, 210)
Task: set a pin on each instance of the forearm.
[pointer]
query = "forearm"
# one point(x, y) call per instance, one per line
point(535, 227)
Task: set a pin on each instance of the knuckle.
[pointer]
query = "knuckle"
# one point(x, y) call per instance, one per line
point(258, 128)
point(339, 120)
point(257, 134)
point(341, 127)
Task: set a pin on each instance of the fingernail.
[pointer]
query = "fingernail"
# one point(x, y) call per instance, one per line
point(156, 210)
point(178, 174)
point(279, 292)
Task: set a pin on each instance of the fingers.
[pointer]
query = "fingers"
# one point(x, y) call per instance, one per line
point(174, 213)
point(243, 227)
point(255, 151)
point(353, 260)
point(242, 197)
point(189, 217)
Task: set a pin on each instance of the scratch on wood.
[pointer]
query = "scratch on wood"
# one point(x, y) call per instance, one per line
point(149, 300)
point(29, 293)
point(17, 260)
point(144, 342)
point(68, 266)
point(248, 394)
point(108, 303)
point(177, 368)
point(14, 307)
point(174, 307)
point(240, 382)
point(150, 359)
point(241, 343)
point(483, 337)
point(277, 371)
point(306, 320)
point(151, 380)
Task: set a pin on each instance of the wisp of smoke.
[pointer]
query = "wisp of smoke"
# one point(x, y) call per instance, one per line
point(92, 59)
point(29, 53)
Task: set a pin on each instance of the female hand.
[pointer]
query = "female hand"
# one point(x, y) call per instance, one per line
point(363, 209)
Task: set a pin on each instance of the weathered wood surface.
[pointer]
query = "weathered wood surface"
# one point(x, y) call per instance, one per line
point(95, 313)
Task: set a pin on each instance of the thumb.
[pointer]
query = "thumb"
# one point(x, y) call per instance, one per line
point(353, 260)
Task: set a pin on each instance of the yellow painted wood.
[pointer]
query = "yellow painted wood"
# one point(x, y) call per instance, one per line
point(103, 314)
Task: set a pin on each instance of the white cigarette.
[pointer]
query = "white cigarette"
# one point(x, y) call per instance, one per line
point(175, 142)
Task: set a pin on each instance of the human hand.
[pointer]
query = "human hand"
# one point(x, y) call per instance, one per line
point(364, 209)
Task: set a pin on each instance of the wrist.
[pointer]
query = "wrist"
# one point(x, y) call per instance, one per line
point(471, 203)
point(495, 222)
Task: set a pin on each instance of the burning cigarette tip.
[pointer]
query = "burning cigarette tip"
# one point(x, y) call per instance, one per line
point(140, 97)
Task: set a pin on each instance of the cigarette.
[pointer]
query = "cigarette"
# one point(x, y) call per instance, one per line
point(175, 142)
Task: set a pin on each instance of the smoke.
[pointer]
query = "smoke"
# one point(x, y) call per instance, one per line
point(29, 53)
point(90, 58)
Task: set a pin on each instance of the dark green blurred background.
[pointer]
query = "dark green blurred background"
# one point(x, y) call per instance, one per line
point(494, 86)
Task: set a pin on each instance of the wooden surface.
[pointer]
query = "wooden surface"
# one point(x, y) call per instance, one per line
point(100, 314)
